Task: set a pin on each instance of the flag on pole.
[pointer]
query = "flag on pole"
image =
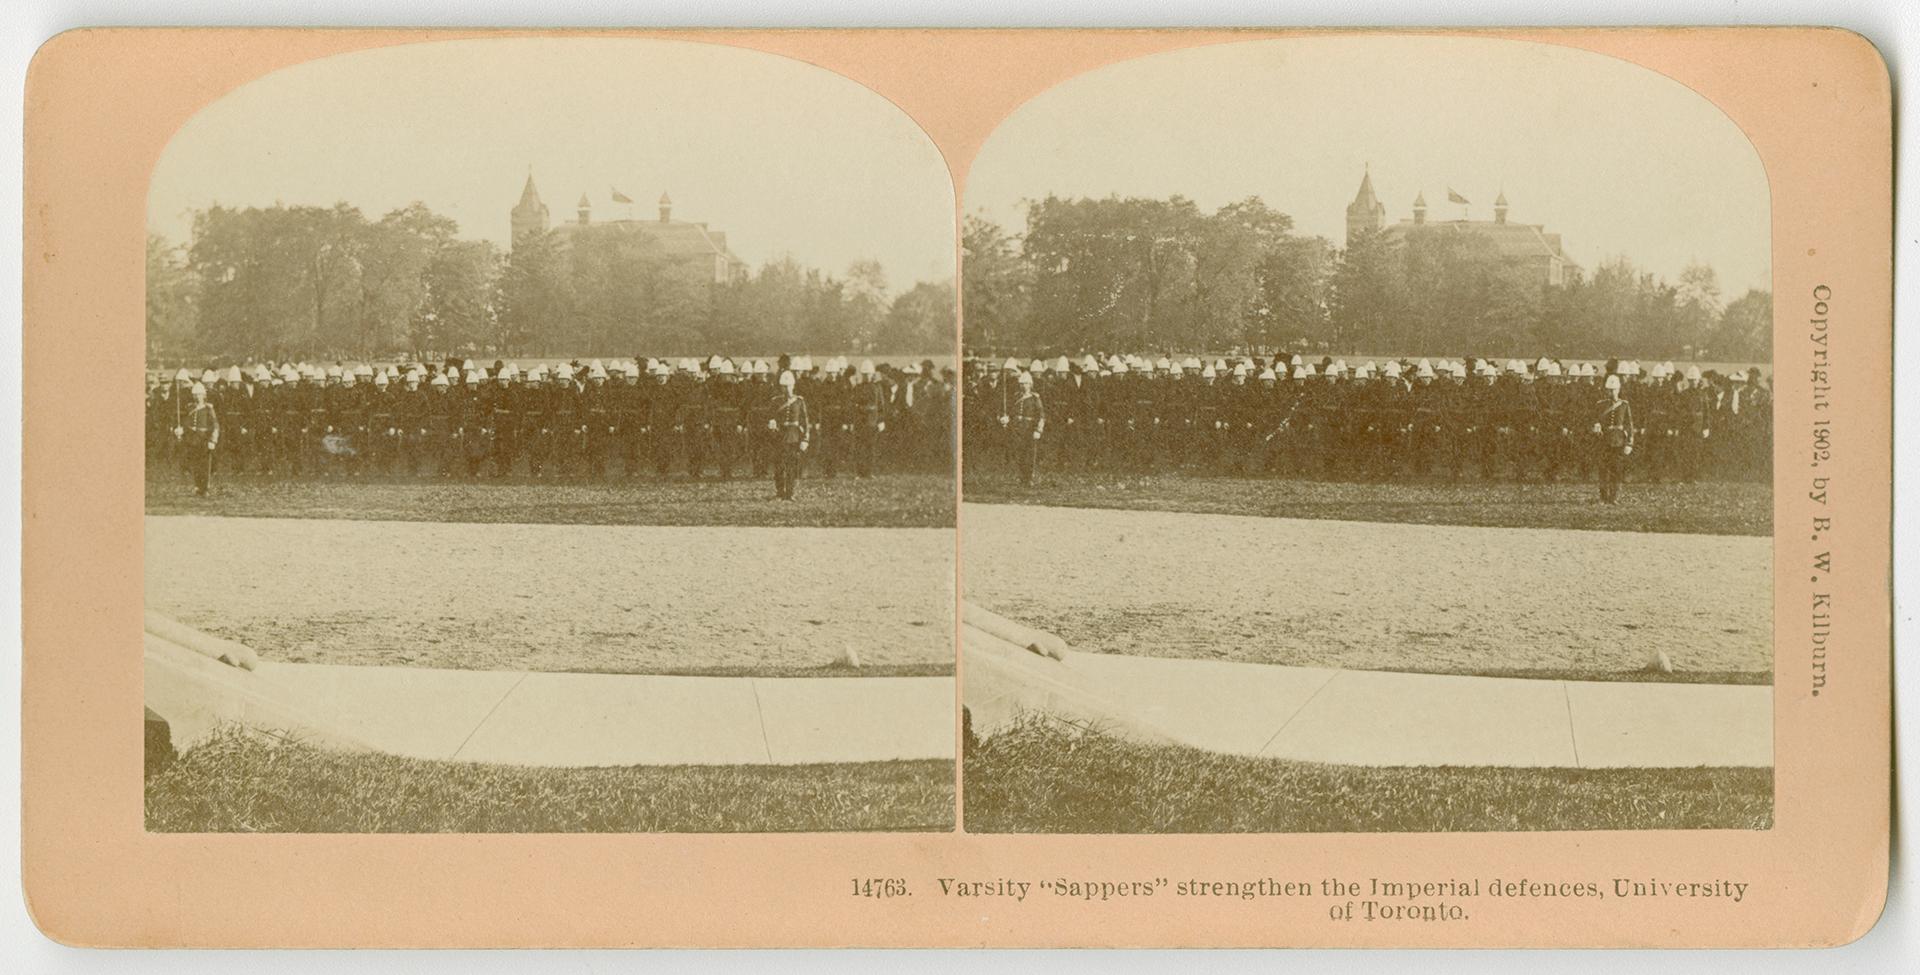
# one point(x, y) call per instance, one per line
point(1452, 197)
point(619, 197)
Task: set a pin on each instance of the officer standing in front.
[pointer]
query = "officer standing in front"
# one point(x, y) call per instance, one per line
point(1616, 441)
point(790, 425)
point(1025, 423)
point(200, 437)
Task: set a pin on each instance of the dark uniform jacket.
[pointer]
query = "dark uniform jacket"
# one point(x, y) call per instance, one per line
point(791, 415)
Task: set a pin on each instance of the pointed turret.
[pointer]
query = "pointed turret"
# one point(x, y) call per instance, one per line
point(1366, 213)
point(1420, 207)
point(666, 208)
point(529, 215)
point(1500, 207)
point(584, 209)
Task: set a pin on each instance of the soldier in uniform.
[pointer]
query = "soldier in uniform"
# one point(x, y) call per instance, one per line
point(1459, 420)
point(336, 405)
point(200, 436)
point(263, 436)
point(164, 413)
point(1736, 448)
point(536, 430)
point(476, 421)
point(442, 419)
point(1558, 421)
point(297, 401)
point(410, 417)
point(509, 395)
point(1069, 393)
point(1117, 406)
point(695, 423)
point(663, 417)
point(565, 422)
point(1393, 422)
point(234, 399)
point(629, 419)
point(1026, 423)
point(757, 398)
point(791, 428)
point(1615, 427)
point(730, 420)
point(597, 416)
point(382, 428)
point(869, 401)
point(833, 413)
point(1759, 413)
point(1293, 432)
point(1427, 429)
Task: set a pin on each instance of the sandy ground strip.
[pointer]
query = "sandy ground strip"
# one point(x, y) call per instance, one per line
point(1370, 595)
point(556, 597)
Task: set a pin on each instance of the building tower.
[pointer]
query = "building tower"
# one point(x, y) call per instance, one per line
point(584, 210)
point(529, 215)
point(1420, 207)
point(666, 208)
point(1366, 214)
point(1500, 208)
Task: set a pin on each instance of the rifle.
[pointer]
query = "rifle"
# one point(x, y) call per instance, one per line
point(1287, 420)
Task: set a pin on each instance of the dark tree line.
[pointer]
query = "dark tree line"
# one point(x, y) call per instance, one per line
point(314, 282)
point(1141, 274)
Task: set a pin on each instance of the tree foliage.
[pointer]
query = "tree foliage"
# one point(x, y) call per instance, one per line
point(172, 296)
point(317, 282)
point(995, 285)
point(1139, 275)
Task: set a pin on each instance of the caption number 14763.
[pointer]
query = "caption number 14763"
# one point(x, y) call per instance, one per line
point(879, 887)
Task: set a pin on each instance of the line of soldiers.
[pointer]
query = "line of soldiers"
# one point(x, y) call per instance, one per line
point(462, 419)
point(1292, 417)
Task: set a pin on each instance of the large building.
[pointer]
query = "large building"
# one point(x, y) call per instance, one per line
point(1524, 244)
point(682, 241)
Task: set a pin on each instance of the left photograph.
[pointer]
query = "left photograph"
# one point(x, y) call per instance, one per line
point(550, 435)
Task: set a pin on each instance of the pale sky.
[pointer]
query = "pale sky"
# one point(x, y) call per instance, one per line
point(787, 158)
point(1614, 157)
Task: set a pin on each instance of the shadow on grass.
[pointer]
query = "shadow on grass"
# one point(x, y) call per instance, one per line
point(1716, 508)
point(1041, 777)
point(894, 500)
point(241, 781)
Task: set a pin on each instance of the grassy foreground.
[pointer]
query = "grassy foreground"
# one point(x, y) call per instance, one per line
point(237, 781)
point(1042, 778)
point(1713, 508)
point(883, 501)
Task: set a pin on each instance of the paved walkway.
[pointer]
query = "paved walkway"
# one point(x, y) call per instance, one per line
point(559, 719)
point(1359, 717)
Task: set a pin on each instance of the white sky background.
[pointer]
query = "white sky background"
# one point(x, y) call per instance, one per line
point(1615, 158)
point(787, 158)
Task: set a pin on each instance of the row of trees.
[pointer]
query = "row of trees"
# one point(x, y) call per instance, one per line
point(303, 282)
point(1128, 273)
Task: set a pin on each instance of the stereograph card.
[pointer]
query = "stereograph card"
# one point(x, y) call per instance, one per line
point(763, 488)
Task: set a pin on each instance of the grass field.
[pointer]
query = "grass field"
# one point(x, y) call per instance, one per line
point(1712, 508)
point(883, 501)
point(1041, 778)
point(238, 781)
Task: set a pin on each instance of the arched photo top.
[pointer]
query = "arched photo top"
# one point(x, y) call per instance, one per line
point(1610, 159)
point(779, 157)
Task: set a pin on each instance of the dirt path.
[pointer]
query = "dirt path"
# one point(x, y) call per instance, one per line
point(1373, 596)
point(557, 597)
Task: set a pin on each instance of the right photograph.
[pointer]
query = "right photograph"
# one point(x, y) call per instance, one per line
point(1367, 433)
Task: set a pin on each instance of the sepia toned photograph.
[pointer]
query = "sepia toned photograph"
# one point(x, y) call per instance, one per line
point(1367, 434)
point(550, 435)
point(1162, 488)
